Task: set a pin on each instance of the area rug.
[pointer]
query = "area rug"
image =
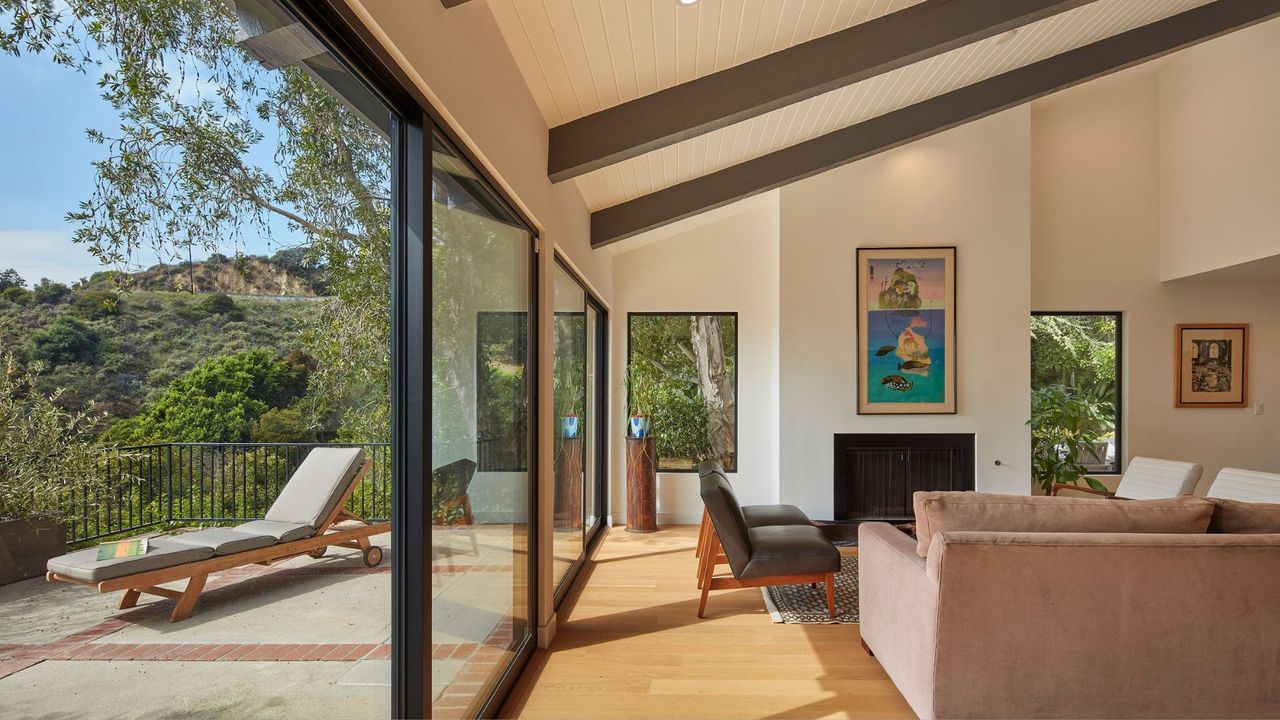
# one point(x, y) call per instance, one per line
point(804, 605)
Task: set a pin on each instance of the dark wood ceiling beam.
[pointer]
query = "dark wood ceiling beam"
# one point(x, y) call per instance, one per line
point(927, 118)
point(779, 79)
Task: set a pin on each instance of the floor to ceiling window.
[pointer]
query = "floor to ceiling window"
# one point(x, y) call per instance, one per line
point(579, 388)
point(196, 230)
point(482, 386)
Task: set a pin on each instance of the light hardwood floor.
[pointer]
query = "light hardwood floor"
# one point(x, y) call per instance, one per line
point(630, 645)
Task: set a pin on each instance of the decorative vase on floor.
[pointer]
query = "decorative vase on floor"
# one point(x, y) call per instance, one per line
point(642, 480)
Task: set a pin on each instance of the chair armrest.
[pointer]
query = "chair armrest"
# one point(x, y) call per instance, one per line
point(1084, 489)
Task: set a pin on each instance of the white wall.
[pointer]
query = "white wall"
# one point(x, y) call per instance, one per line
point(1219, 158)
point(968, 187)
point(1096, 226)
point(724, 263)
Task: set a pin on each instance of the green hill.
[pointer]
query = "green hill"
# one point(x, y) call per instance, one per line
point(121, 349)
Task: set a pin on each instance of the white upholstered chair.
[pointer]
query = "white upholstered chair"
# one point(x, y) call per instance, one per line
point(1246, 486)
point(1148, 479)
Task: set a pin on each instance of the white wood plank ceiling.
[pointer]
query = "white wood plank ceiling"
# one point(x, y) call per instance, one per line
point(581, 56)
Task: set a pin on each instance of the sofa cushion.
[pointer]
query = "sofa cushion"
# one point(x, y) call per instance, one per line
point(969, 511)
point(1233, 516)
point(224, 541)
point(765, 515)
point(281, 531)
point(161, 553)
point(790, 550)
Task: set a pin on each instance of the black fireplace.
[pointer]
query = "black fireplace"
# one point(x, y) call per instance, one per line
point(876, 473)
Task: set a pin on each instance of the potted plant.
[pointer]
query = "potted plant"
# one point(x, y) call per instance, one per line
point(1065, 428)
point(45, 454)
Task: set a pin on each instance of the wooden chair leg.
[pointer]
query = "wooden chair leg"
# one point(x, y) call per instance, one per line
point(704, 582)
point(707, 563)
point(831, 595)
point(187, 603)
point(702, 535)
point(129, 599)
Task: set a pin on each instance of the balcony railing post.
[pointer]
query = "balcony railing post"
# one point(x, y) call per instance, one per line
point(168, 482)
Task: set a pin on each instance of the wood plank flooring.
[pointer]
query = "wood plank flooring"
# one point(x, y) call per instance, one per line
point(630, 645)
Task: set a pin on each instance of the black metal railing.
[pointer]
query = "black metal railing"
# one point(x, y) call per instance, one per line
point(207, 483)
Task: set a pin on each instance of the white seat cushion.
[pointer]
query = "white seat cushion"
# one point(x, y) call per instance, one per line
point(224, 541)
point(1153, 479)
point(281, 531)
point(1246, 486)
point(316, 486)
point(161, 553)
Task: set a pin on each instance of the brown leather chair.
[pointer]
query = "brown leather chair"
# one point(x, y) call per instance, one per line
point(755, 516)
point(762, 556)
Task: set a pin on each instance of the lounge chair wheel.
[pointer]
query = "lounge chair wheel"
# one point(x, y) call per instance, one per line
point(319, 552)
point(373, 556)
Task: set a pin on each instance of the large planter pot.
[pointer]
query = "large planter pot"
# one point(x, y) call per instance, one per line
point(27, 545)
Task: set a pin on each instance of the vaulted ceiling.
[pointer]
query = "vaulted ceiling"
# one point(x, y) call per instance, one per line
point(629, 87)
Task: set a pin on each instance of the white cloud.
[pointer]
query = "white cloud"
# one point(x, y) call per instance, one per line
point(49, 254)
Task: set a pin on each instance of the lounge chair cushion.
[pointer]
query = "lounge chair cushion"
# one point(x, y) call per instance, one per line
point(282, 531)
point(790, 550)
point(161, 553)
point(225, 541)
point(317, 486)
point(766, 515)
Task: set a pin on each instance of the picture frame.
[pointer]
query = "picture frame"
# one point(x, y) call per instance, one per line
point(1212, 365)
point(905, 350)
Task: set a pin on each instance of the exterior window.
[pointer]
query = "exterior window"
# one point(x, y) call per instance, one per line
point(1075, 383)
point(682, 374)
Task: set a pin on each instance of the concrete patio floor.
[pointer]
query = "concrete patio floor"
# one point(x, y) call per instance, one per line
point(303, 638)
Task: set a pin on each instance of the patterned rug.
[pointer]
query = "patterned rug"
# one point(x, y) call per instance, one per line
point(801, 604)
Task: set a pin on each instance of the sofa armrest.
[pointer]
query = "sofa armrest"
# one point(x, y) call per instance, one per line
point(897, 603)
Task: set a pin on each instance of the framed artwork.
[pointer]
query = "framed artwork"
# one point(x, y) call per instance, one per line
point(1213, 365)
point(906, 330)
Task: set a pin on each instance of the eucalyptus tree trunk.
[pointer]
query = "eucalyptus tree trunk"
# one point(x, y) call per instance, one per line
point(716, 386)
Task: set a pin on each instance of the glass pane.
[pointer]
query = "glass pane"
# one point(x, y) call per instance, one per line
point(197, 309)
point(591, 422)
point(569, 373)
point(481, 391)
point(683, 375)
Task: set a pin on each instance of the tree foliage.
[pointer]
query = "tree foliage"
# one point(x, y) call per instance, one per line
point(177, 172)
point(45, 452)
point(220, 400)
point(11, 279)
point(67, 339)
point(1064, 427)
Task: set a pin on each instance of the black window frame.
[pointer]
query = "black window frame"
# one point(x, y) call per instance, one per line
point(737, 372)
point(593, 535)
point(414, 122)
point(1118, 316)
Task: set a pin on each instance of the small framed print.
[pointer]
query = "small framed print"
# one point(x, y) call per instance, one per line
point(1213, 366)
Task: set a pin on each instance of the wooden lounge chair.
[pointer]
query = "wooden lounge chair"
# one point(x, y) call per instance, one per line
point(304, 520)
point(1147, 479)
point(1251, 486)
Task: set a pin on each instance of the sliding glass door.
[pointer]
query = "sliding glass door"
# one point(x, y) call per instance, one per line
point(482, 385)
point(579, 386)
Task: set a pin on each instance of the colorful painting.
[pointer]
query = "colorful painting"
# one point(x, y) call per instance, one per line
point(1212, 366)
point(906, 330)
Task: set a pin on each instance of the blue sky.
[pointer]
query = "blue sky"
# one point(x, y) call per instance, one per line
point(45, 170)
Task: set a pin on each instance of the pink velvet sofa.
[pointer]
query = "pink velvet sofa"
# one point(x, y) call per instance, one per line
point(1035, 607)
